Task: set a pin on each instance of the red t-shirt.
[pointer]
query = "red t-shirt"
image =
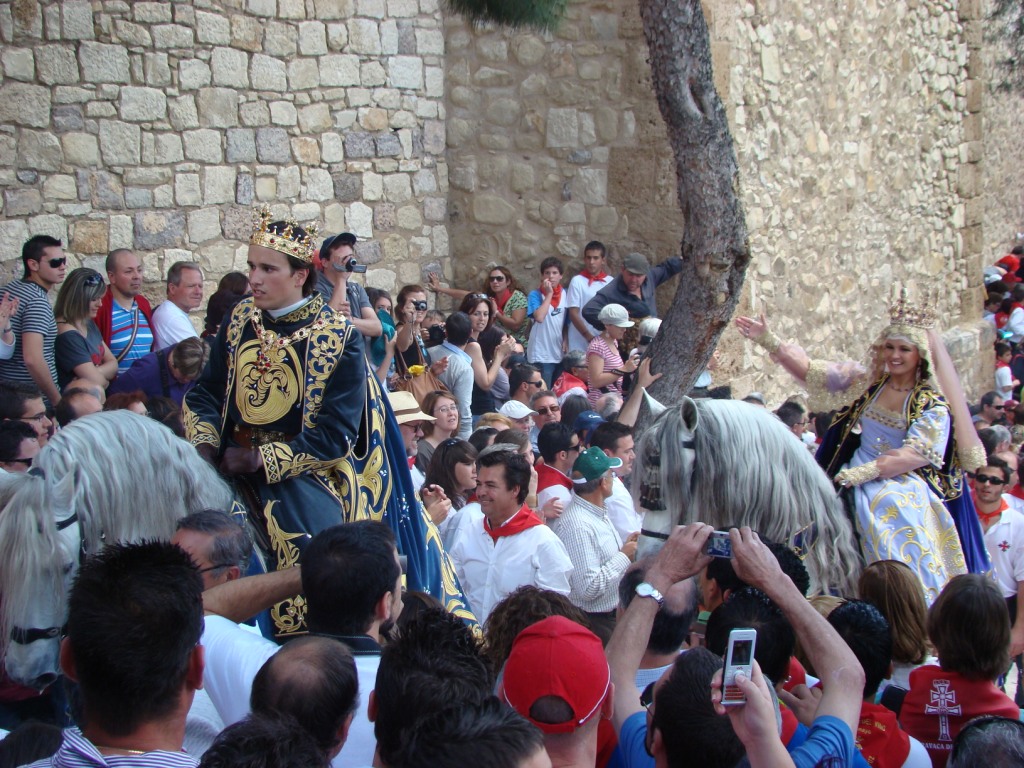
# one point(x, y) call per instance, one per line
point(879, 737)
point(940, 702)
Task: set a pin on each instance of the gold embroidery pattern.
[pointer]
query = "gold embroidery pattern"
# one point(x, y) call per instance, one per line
point(858, 475)
point(268, 384)
point(326, 345)
point(885, 417)
point(289, 616)
point(198, 431)
point(973, 458)
point(281, 462)
point(769, 341)
point(818, 394)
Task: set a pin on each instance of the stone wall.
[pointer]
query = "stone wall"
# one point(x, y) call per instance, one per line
point(158, 125)
point(858, 130)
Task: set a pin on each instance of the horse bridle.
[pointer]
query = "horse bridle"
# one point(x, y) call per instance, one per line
point(23, 636)
point(691, 445)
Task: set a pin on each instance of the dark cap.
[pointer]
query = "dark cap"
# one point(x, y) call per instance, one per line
point(636, 263)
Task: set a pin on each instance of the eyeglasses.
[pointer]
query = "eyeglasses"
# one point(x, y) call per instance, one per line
point(998, 407)
point(91, 281)
point(497, 278)
point(214, 568)
point(549, 410)
point(538, 384)
point(575, 447)
point(54, 263)
point(482, 296)
point(447, 409)
point(988, 479)
point(37, 418)
point(26, 462)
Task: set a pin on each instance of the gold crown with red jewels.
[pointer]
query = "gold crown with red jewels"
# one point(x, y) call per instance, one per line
point(287, 241)
point(902, 311)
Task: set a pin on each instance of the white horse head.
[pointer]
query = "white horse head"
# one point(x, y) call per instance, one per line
point(113, 476)
point(724, 462)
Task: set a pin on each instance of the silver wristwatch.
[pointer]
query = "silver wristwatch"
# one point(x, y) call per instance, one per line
point(643, 589)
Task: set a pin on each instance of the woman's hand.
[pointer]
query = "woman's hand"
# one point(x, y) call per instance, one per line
point(436, 502)
point(644, 377)
point(751, 328)
point(433, 281)
point(505, 348)
point(631, 364)
point(438, 367)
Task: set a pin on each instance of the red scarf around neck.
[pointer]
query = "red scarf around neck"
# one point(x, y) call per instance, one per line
point(524, 519)
point(556, 294)
point(501, 300)
point(591, 279)
point(987, 518)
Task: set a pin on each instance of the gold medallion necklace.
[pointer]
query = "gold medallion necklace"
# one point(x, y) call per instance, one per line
point(271, 342)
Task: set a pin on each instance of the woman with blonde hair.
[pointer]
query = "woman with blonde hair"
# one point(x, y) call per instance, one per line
point(79, 350)
point(445, 409)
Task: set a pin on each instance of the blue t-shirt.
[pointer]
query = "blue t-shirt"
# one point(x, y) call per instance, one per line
point(631, 752)
point(829, 737)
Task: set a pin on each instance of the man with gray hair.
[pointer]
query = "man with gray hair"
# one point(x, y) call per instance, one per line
point(218, 545)
point(995, 742)
point(184, 294)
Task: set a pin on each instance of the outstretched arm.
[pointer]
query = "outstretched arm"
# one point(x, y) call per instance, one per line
point(968, 444)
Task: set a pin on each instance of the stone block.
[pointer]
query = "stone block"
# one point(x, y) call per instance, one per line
point(435, 209)
point(303, 74)
point(172, 36)
point(262, 7)
point(334, 9)
point(218, 107)
point(90, 236)
point(280, 39)
point(491, 209)
point(138, 197)
point(291, 9)
point(22, 202)
point(389, 38)
point(24, 104)
point(81, 150)
point(244, 189)
point(372, 74)
point(247, 33)
point(397, 188)
point(132, 34)
point(27, 176)
point(219, 184)
point(312, 38)
point(121, 235)
point(60, 187)
point(77, 20)
point(339, 70)
point(13, 234)
point(591, 186)
point(429, 42)
point(237, 222)
point(406, 38)
point(182, 113)
point(434, 140)
point(18, 63)
point(159, 229)
point(241, 146)
point(306, 211)
point(504, 112)
point(102, 189)
point(289, 182)
point(359, 220)
point(203, 145)
point(186, 189)
point(358, 145)
point(167, 149)
point(331, 150)
point(193, 74)
point(319, 185)
point(157, 69)
point(315, 118)
point(305, 150)
point(387, 145)
point(152, 13)
point(347, 187)
point(120, 143)
point(254, 114)
point(229, 67)
point(56, 64)
point(272, 145)
point(203, 225)
point(373, 186)
point(266, 188)
point(213, 28)
point(143, 104)
point(268, 74)
point(103, 63)
point(283, 113)
point(562, 128)
point(364, 37)
point(384, 217)
point(405, 72)
point(603, 220)
point(410, 217)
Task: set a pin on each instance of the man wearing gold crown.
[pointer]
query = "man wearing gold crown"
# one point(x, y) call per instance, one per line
point(287, 408)
point(892, 450)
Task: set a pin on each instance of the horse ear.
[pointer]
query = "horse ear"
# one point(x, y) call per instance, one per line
point(653, 405)
point(688, 410)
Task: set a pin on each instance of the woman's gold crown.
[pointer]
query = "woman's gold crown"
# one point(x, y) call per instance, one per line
point(902, 311)
point(287, 241)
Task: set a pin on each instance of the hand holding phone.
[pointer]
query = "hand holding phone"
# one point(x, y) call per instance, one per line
point(739, 659)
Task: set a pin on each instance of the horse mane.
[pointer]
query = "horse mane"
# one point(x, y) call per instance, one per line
point(748, 469)
point(126, 476)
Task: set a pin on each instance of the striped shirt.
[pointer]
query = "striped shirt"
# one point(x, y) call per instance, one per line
point(594, 549)
point(34, 315)
point(78, 752)
point(122, 323)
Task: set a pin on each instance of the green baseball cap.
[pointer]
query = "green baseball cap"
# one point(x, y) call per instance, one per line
point(592, 464)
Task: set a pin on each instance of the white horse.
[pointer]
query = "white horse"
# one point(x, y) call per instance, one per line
point(726, 462)
point(108, 477)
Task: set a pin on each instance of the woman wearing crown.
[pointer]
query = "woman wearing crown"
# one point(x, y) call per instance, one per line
point(891, 449)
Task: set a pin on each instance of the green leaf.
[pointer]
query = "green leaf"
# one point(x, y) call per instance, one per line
point(542, 14)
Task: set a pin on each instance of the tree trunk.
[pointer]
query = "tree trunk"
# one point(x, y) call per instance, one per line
point(715, 250)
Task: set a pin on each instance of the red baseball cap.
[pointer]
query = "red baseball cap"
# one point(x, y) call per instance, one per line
point(557, 657)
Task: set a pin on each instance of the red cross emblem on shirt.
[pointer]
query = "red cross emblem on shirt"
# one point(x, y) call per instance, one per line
point(1004, 546)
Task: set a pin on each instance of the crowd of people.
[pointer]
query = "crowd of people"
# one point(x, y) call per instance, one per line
point(452, 494)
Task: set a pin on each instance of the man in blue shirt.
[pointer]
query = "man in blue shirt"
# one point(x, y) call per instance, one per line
point(633, 288)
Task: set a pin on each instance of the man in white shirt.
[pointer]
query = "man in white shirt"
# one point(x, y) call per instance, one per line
point(582, 289)
point(559, 447)
point(616, 440)
point(504, 545)
point(184, 294)
point(599, 557)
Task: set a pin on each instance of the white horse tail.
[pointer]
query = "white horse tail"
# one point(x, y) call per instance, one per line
point(30, 545)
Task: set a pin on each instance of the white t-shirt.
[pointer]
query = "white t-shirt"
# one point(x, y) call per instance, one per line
point(171, 325)
point(579, 293)
point(234, 656)
point(1004, 382)
point(1005, 543)
point(622, 512)
point(545, 343)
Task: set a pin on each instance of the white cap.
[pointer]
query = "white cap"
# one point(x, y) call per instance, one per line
point(516, 410)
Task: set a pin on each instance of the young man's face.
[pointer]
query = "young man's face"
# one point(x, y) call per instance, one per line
point(492, 492)
point(45, 269)
point(989, 484)
point(274, 284)
point(624, 451)
point(554, 274)
point(34, 415)
point(593, 260)
point(27, 452)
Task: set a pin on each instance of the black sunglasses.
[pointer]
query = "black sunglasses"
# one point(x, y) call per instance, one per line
point(496, 278)
point(54, 263)
point(989, 479)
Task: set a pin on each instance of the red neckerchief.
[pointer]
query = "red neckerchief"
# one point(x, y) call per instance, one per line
point(1001, 364)
point(987, 518)
point(412, 461)
point(591, 279)
point(1001, 319)
point(556, 294)
point(549, 476)
point(879, 737)
point(1017, 492)
point(500, 301)
point(521, 521)
point(797, 674)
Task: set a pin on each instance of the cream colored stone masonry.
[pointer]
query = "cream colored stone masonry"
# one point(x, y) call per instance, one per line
point(871, 141)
